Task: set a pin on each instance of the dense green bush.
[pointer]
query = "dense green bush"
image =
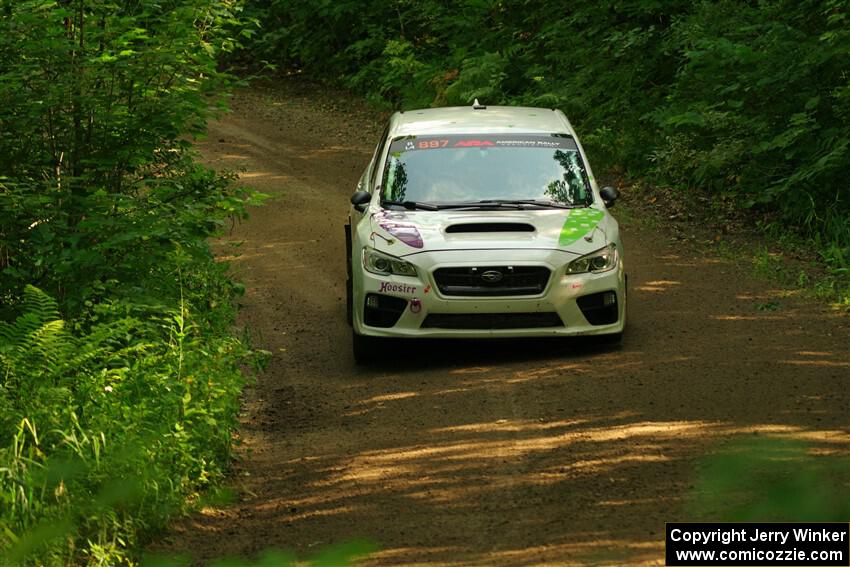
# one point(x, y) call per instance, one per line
point(107, 430)
point(760, 110)
point(748, 99)
point(96, 180)
point(119, 368)
point(769, 479)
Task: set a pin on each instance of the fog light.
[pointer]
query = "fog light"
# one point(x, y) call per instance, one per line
point(383, 310)
point(599, 308)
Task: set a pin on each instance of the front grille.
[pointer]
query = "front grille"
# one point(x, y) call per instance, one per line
point(492, 280)
point(488, 321)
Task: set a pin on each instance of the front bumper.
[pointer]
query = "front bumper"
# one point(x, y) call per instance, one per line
point(414, 306)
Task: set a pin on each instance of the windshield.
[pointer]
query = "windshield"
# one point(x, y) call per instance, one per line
point(473, 168)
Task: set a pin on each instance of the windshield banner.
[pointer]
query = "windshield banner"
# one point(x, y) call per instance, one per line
point(549, 141)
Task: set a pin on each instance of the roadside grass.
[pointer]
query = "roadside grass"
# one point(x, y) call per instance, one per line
point(115, 424)
point(760, 479)
point(816, 269)
point(340, 555)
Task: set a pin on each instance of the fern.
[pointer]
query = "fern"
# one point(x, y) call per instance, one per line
point(37, 302)
point(36, 347)
point(480, 77)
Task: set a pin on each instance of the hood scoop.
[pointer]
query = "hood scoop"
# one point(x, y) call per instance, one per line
point(489, 227)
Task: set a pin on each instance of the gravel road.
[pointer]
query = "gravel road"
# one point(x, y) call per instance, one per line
point(508, 453)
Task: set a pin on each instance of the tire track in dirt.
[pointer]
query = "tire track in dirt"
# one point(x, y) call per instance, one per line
point(514, 453)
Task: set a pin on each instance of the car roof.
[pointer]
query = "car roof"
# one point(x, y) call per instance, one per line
point(478, 119)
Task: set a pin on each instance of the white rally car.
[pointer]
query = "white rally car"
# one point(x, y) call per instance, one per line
point(482, 222)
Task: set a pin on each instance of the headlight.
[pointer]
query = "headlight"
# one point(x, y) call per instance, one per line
point(385, 265)
point(600, 261)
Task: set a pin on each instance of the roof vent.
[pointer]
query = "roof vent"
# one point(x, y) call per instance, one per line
point(478, 106)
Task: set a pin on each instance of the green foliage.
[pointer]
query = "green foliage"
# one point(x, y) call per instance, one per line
point(119, 382)
point(97, 98)
point(770, 480)
point(745, 100)
point(758, 100)
point(109, 429)
point(339, 555)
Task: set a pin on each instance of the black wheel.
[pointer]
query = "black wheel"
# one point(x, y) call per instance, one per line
point(365, 348)
point(349, 302)
point(349, 285)
point(612, 339)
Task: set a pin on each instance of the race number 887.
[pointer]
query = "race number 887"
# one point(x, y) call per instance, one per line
point(431, 144)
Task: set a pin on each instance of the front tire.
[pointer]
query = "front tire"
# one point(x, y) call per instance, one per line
point(365, 348)
point(349, 282)
point(613, 339)
point(349, 302)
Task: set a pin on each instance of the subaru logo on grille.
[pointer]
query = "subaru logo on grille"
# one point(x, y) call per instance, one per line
point(492, 276)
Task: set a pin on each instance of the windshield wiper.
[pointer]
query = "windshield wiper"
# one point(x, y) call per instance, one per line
point(413, 205)
point(507, 203)
point(482, 204)
point(535, 202)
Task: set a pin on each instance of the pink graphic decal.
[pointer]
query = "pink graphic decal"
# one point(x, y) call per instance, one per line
point(415, 305)
point(388, 215)
point(407, 233)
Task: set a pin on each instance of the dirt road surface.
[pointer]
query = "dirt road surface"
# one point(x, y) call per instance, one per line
point(515, 453)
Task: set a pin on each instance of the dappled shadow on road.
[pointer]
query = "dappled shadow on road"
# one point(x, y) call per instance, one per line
point(512, 452)
point(519, 452)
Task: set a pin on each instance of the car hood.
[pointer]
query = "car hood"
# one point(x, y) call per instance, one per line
point(578, 231)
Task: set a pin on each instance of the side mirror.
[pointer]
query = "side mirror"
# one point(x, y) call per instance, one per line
point(360, 199)
point(609, 195)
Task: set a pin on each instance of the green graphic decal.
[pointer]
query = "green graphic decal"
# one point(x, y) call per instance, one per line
point(579, 223)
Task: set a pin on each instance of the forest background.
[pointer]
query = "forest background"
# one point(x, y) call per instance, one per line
point(120, 367)
point(744, 102)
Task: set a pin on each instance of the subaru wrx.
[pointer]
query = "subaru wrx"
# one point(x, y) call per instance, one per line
point(479, 221)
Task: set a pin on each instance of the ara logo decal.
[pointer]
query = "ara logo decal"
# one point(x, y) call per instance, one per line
point(415, 305)
point(473, 143)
